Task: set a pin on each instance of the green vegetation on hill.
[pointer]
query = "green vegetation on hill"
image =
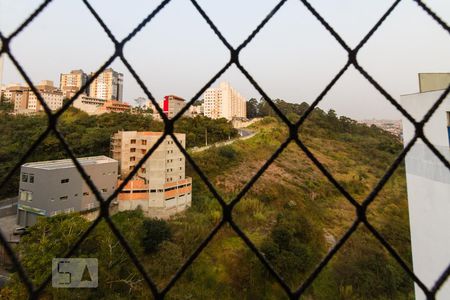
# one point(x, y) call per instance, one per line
point(292, 214)
point(89, 135)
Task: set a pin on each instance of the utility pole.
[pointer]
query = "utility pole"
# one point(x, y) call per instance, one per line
point(206, 136)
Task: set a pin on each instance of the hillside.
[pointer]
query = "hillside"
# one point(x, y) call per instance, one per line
point(88, 136)
point(292, 213)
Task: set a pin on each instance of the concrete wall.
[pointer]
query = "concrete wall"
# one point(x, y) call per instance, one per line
point(433, 81)
point(428, 184)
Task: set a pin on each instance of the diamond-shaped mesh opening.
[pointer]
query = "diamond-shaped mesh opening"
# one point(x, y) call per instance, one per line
point(35, 289)
point(357, 155)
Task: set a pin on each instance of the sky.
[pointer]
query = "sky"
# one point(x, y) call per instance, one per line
point(292, 58)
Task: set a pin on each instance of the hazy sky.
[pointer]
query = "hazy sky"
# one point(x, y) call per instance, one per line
point(292, 58)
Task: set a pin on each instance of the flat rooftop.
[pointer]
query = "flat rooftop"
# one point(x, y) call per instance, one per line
point(419, 93)
point(68, 163)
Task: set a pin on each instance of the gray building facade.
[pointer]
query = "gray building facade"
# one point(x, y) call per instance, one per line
point(49, 188)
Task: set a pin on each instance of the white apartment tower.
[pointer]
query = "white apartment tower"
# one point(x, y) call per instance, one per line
point(160, 187)
point(107, 86)
point(428, 183)
point(224, 102)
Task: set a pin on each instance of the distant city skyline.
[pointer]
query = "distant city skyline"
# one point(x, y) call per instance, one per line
point(292, 58)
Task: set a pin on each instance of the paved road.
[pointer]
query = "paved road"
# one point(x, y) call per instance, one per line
point(8, 207)
point(7, 226)
point(246, 134)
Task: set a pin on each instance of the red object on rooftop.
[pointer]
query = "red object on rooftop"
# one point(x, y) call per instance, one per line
point(166, 105)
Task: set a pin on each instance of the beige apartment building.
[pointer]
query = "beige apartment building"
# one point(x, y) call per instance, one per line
point(90, 105)
point(96, 106)
point(16, 94)
point(107, 86)
point(113, 106)
point(160, 187)
point(52, 96)
point(172, 105)
point(25, 101)
point(71, 83)
point(224, 102)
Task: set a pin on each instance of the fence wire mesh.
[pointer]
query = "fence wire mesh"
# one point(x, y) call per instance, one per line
point(227, 209)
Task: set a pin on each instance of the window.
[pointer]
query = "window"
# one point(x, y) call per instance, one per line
point(144, 142)
point(152, 191)
point(25, 177)
point(160, 191)
point(143, 170)
point(23, 195)
point(104, 190)
point(31, 178)
point(143, 151)
point(132, 149)
point(133, 141)
point(132, 158)
point(66, 180)
point(76, 195)
point(131, 168)
point(63, 198)
point(86, 194)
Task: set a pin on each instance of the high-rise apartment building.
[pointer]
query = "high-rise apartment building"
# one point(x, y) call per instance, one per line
point(172, 105)
point(160, 186)
point(70, 83)
point(107, 86)
point(224, 102)
point(428, 183)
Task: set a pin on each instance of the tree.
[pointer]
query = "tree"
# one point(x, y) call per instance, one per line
point(139, 101)
point(252, 108)
point(5, 104)
point(155, 232)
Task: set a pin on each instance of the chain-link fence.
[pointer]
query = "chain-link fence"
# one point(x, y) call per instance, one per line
point(227, 209)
